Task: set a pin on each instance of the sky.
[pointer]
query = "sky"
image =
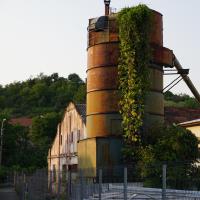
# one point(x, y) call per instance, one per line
point(48, 36)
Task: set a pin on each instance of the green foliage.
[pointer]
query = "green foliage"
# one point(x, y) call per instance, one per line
point(40, 95)
point(17, 147)
point(180, 101)
point(3, 173)
point(42, 133)
point(172, 145)
point(134, 31)
point(80, 95)
point(43, 98)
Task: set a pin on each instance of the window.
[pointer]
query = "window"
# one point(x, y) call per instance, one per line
point(67, 139)
point(78, 135)
point(54, 173)
point(70, 121)
point(64, 173)
point(72, 137)
point(61, 139)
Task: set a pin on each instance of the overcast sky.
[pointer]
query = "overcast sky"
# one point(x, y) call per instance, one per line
point(51, 36)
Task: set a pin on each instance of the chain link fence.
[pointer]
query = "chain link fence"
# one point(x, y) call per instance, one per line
point(159, 181)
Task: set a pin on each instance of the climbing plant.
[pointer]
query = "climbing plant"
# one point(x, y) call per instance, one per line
point(134, 31)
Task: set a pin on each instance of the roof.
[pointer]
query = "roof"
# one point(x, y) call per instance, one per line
point(22, 121)
point(180, 115)
point(190, 123)
point(81, 109)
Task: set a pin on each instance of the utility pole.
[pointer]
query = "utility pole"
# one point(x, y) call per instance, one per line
point(1, 144)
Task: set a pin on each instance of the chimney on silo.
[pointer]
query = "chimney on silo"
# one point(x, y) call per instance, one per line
point(107, 7)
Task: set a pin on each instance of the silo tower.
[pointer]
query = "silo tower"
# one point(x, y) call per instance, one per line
point(103, 144)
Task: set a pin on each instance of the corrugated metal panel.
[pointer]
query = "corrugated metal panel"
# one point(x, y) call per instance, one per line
point(103, 125)
point(109, 152)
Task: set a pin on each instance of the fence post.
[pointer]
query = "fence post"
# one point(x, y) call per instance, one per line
point(164, 182)
point(100, 183)
point(68, 184)
point(25, 187)
point(125, 183)
point(81, 185)
point(14, 179)
point(58, 188)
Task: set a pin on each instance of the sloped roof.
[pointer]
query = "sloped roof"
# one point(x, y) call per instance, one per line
point(22, 121)
point(191, 123)
point(81, 109)
point(179, 115)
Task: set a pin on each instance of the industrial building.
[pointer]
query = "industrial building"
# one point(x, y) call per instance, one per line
point(101, 142)
point(62, 155)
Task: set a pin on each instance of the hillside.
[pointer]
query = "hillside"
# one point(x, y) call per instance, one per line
point(180, 101)
point(32, 110)
point(39, 103)
point(40, 95)
point(180, 108)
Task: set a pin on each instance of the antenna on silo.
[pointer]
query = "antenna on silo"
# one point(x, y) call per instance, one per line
point(107, 7)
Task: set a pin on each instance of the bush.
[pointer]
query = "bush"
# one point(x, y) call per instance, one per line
point(173, 145)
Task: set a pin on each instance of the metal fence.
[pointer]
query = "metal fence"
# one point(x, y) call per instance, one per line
point(166, 181)
point(32, 186)
point(6, 179)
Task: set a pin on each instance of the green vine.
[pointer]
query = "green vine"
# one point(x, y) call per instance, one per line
point(134, 32)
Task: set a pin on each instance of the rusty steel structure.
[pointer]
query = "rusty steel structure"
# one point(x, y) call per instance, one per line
point(107, 7)
point(103, 118)
point(103, 144)
point(187, 80)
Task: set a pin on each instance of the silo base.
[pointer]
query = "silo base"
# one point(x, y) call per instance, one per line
point(99, 153)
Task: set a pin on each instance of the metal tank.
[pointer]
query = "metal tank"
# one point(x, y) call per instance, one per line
point(103, 144)
point(103, 118)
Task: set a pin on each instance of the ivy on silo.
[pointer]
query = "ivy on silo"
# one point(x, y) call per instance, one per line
point(135, 53)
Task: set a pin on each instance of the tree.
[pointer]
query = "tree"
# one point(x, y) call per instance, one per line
point(80, 95)
point(181, 100)
point(43, 98)
point(173, 145)
point(40, 95)
point(16, 147)
point(74, 78)
point(42, 133)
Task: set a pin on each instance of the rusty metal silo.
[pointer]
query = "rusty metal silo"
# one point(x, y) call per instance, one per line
point(103, 144)
point(103, 117)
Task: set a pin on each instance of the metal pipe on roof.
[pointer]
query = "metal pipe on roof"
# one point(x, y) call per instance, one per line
point(107, 7)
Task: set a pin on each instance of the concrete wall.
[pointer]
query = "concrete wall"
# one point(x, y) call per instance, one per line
point(195, 130)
